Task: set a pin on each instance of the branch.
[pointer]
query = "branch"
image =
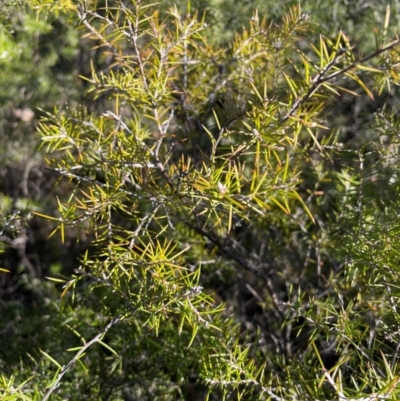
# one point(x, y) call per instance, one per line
point(242, 261)
point(94, 340)
point(320, 78)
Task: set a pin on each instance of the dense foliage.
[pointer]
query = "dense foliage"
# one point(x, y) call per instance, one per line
point(220, 197)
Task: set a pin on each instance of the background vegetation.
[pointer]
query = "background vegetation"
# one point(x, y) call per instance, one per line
point(199, 201)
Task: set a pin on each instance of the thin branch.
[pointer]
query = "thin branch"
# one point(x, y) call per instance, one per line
point(242, 261)
point(79, 178)
point(94, 340)
point(82, 14)
point(320, 78)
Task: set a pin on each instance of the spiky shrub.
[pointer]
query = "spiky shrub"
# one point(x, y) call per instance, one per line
point(211, 189)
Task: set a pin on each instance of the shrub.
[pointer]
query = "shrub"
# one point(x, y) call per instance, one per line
point(238, 246)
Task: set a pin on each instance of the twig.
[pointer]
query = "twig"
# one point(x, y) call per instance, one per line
point(81, 178)
point(146, 219)
point(319, 79)
point(157, 162)
point(242, 261)
point(94, 340)
point(82, 14)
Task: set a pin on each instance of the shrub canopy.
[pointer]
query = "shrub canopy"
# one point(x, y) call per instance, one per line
point(235, 205)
